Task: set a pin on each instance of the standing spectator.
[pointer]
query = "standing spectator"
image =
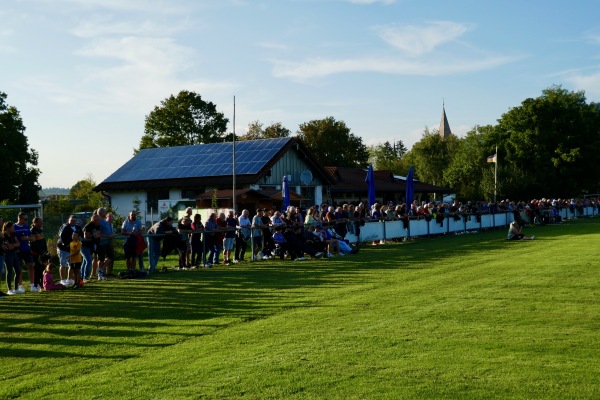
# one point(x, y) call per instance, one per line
point(2, 250)
point(188, 251)
point(196, 241)
point(268, 244)
point(230, 237)
point(276, 220)
point(110, 248)
point(65, 235)
point(219, 237)
point(257, 235)
point(243, 235)
point(133, 229)
point(39, 248)
point(10, 244)
point(184, 228)
point(162, 227)
point(210, 238)
point(75, 259)
point(106, 250)
point(23, 233)
point(91, 239)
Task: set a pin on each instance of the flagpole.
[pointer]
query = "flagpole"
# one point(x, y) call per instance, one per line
point(233, 158)
point(496, 175)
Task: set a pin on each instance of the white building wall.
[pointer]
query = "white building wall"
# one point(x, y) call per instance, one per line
point(123, 202)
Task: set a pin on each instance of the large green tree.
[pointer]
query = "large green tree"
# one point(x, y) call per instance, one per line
point(183, 120)
point(257, 131)
point(468, 172)
point(550, 145)
point(83, 191)
point(387, 156)
point(19, 179)
point(333, 143)
point(431, 156)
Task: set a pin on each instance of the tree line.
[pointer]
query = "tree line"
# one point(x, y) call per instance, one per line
point(547, 146)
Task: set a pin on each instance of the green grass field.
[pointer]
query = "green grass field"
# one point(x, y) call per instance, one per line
point(469, 316)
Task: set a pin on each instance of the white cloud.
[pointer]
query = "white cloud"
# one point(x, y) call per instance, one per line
point(99, 27)
point(164, 6)
point(319, 67)
point(6, 36)
point(271, 45)
point(371, 1)
point(588, 83)
point(419, 40)
point(148, 71)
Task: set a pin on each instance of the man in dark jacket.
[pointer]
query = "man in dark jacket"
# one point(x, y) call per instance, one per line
point(160, 229)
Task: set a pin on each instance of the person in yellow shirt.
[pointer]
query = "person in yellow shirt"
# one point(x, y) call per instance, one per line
point(76, 259)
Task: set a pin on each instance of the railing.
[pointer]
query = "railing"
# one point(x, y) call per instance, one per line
point(395, 229)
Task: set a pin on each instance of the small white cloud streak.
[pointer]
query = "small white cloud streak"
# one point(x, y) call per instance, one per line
point(322, 67)
point(418, 40)
point(101, 27)
point(274, 46)
point(371, 1)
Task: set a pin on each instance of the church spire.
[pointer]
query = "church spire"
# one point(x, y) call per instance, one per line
point(444, 125)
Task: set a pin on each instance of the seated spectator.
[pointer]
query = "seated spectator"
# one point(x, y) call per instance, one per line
point(514, 233)
point(49, 283)
point(297, 242)
point(279, 240)
point(324, 236)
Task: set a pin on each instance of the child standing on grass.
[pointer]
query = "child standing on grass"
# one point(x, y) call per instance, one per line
point(49, 283)
point(76, 259)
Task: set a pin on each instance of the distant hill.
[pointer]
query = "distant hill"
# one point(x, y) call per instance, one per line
point(53, 191)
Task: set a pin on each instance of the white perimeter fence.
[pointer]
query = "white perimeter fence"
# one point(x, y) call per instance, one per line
point(383, 230)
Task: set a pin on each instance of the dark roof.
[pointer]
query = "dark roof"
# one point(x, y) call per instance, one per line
point(348, 179)
point(226, 194)
point(204, 164)
point(354, 180)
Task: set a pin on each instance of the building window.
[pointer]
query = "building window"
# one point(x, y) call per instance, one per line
point(153, 198)
point(189, 193)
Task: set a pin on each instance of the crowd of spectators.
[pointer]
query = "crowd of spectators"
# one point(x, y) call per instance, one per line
point(87, 252)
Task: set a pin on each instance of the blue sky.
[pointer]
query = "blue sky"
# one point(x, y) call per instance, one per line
point(85, 73)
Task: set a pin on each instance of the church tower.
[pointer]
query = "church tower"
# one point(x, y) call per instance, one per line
point(444, 125)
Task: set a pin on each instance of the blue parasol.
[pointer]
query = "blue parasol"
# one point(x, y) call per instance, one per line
point(285, 193)
point(410, 187)
point(371, 186)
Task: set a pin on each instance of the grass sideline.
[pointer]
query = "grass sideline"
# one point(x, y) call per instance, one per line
point(469, 316)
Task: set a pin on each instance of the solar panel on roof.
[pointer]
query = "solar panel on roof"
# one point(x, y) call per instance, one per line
point(198, 160)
